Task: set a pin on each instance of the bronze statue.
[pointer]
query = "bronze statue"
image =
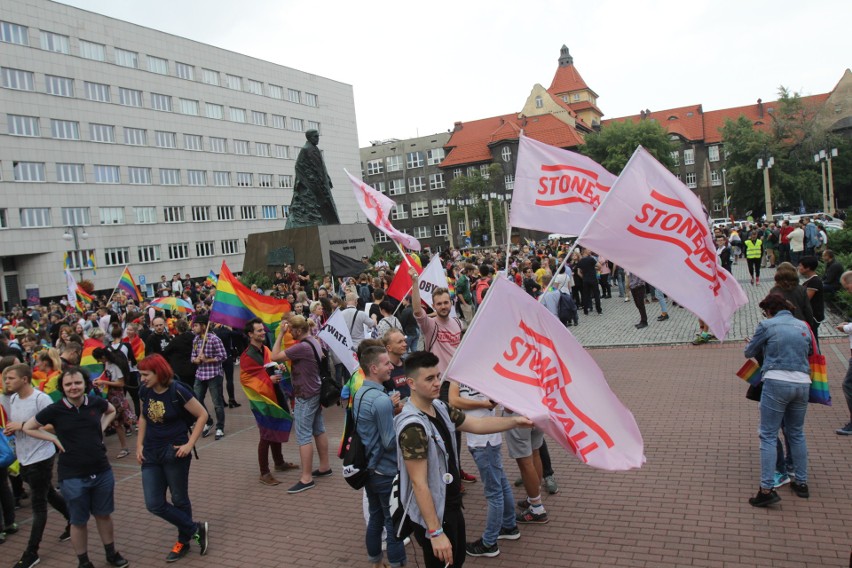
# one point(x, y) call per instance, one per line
point(312, 201)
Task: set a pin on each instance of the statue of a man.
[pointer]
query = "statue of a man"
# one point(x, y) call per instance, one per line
point(312, 201)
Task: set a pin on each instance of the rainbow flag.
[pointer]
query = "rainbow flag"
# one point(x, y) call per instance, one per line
point(48, 384)
point(211, 280)
point(83, 299)
point(138, 347)
point(91, 262)
point(90, 364)
point(267, 403)
point(235, 304)
point(127, 284)
point(750, 373)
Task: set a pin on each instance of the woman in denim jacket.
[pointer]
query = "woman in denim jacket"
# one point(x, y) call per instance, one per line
point(785, 343)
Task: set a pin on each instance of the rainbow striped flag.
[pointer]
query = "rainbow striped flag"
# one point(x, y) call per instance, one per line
point(83, 299)
point(127, 284)
point(235, 304)
point(211, 280)
point(90, 364)
point(48, 384)
point(267, 403)
point(750, 373)
point(138, 347)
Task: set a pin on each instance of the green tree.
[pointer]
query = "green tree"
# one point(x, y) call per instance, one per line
point(613, 145)
point(472, 187)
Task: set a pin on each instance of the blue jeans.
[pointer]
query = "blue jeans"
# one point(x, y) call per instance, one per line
point(619, 280)
point(661, 298)
point(498, 492)
point(787, 402)
point(162, 470)
point(214, 385)
point(378, 496)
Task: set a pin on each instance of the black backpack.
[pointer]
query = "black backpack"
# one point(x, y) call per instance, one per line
point(355, 455)
point(566, 308)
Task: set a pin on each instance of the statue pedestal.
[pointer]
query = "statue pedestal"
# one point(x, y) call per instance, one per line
point(270, 251)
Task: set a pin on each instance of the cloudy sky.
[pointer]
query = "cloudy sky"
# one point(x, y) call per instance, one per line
point(416, 68)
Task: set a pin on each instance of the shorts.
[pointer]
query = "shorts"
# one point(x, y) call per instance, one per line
point(307, 415)
point(521, 442)
point(92, 494)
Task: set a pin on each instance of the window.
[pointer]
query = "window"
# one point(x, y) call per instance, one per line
point(76, 216)
point(205, 248)
point(248, 212)
point(311, 100)
point(691, 179)
point(483, 171)
point(313, 125)
point(419, 209)
point(173, 214)
point(225, 213)
point(434, 156)
point(148, 253)
point(135, 136)
point(258, 118)
point(215, 111)
point(269, 211)
point(675, 158)
point(296, 124)
point(234, 82)
point(145, 215)
point(59, 86)
point(255, 87)
point(439, 207)
point(161, 102)
point(396, 187)
point(102, 133)
point(285, 211)
point(241, 147)
point(509, 181)
point(222, 179)
point(285, 181)
point(57, 43)
point(116, 256)
point(4, 222)
point(462, 227)
point(23, 125)
point(184, 71)
point(471, 170)
point(78, 259)
point(416, 184)
point(218, 145)
point(380, 187)
point(398, 212)
point(169, 176)
point(282, 151)
point(715, 178)
point(97, 92)
point(275, 91)
point(107, 174)
point(90, 50)
point(261, 149)
point(688, 157)
point(506, 154)
point(457, 173)
point(244, 179)
point(17, 79)
point(210, 77)
point(436, 181)
point(380, 237)
point(158, 65)
point(713, 153)
point(238, 114)
point(539, 103)
point(414, 159)
point(422, 232)
point(178, 251)
point(65, 129)
point(717, 206)
point(189, 106)
point(441, 230)
point(165, 139)
point(193, 142)
point(294, 96)
point(129, 97)
point(111, 215)
point(375, 167)
point(139, 176)
point(70, 173)
point(29, 171)
point(35, 217)
point(126, 58)
point(14, 33)
point(231, 246)
point(394, 163)
point(200, 213)
point(279, 121)
point(264, 180)
point(196, 177)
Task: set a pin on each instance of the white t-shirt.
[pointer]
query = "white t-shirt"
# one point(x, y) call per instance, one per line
point(788, 376)
point(30, 450)
point(478, 440)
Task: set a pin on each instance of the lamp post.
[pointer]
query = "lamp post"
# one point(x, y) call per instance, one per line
point(725, 189)
point(823, 157)
point(447, 203)
point(71, 234)
point(764, 164)
point(487, 197)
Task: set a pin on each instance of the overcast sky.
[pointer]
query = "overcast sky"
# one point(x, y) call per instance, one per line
point(416, 68)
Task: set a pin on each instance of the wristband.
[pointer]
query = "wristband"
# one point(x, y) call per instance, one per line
point(435, 533)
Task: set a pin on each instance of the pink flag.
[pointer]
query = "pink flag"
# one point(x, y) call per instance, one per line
point(556, 191)
point(518, 354)
point(655, 227)
point(377, 208)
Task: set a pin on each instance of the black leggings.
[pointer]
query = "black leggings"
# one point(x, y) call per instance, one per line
point(753, 267)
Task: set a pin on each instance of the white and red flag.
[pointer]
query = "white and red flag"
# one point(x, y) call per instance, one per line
point(518, 354)
point(556, 191)
point(377, 208)
point(336, 335)
point(655, 227)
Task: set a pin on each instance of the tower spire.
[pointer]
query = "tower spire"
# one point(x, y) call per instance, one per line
point(565, 57)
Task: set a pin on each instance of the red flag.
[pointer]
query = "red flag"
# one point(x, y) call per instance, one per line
point(401, 284)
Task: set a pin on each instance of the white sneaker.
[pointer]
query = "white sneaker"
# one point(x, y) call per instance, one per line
point(219, 434)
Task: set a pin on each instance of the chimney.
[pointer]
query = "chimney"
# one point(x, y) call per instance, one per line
point(647, 112)
point(457, 126)
point(760, 108)
point(641, 115)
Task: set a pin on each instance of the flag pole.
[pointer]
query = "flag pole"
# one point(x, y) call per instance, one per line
point(508, 245)
point(114, 290)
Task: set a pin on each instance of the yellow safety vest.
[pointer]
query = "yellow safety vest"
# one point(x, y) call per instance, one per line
point(753, 248)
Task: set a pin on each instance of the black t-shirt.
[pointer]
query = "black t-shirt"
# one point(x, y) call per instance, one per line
point(79, 430)
point(817, 302)
point(164, 415)
point(587, 265)
point(398, 381)
point(156, 342)
point(453, 500)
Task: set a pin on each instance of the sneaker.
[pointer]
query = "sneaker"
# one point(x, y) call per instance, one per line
point(85, 565)
point(513, 533)
point(11, 529)
point(66, 534)
point(845, 431)
point(626, 299)
point(764, 499)
point(781, 479)
point(299, 487)
point(519, 482)
point(206, 431)
point(479, 548)
point(528, 517)
point(468, 478)
point(219, 434)
point(800, 489)
point(179, 550)
point(641, 325)
point(286, 466)
point(117, 560)
point(523, 504)
point(550, 485)
point(663, 317)
point(201, 537)
point(28, 560)
point(318, 473)
point(267, 479)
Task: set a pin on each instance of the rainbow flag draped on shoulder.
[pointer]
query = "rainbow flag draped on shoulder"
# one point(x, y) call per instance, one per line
point(235, 304)
point(127, 284)
point(268, 404)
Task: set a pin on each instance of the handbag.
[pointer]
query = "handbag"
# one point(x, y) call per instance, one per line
point(7, 444)
point(751, 373)
point(819, 393)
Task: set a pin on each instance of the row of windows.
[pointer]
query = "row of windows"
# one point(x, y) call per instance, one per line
point(59, 43)
point(431, 157)
point(689, 155)
point(121, 256)
point(23, 80)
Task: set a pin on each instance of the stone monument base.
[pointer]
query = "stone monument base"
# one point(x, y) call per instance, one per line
point(270, 251)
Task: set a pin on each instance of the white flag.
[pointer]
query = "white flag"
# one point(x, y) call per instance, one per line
point(377, 208)
point(336, 336)
point(72, 288)
point(432, 278)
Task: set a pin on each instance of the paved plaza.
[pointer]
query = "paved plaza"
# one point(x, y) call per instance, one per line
point(686, 507)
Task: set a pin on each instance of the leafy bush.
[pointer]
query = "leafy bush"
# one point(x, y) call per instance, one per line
point(263, 281)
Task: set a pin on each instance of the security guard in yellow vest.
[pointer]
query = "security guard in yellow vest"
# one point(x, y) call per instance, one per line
point(754, 252)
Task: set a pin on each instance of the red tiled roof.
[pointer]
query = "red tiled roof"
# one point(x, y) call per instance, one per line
point(686, 121)
point(714, 120)
point(567, 79)
point(571, 111)
point(583, 105)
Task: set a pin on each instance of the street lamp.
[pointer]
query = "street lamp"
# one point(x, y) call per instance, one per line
point(827, 197)
point(725, 189)
point(764, 164)
point(447, 204)
point(71, 234)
